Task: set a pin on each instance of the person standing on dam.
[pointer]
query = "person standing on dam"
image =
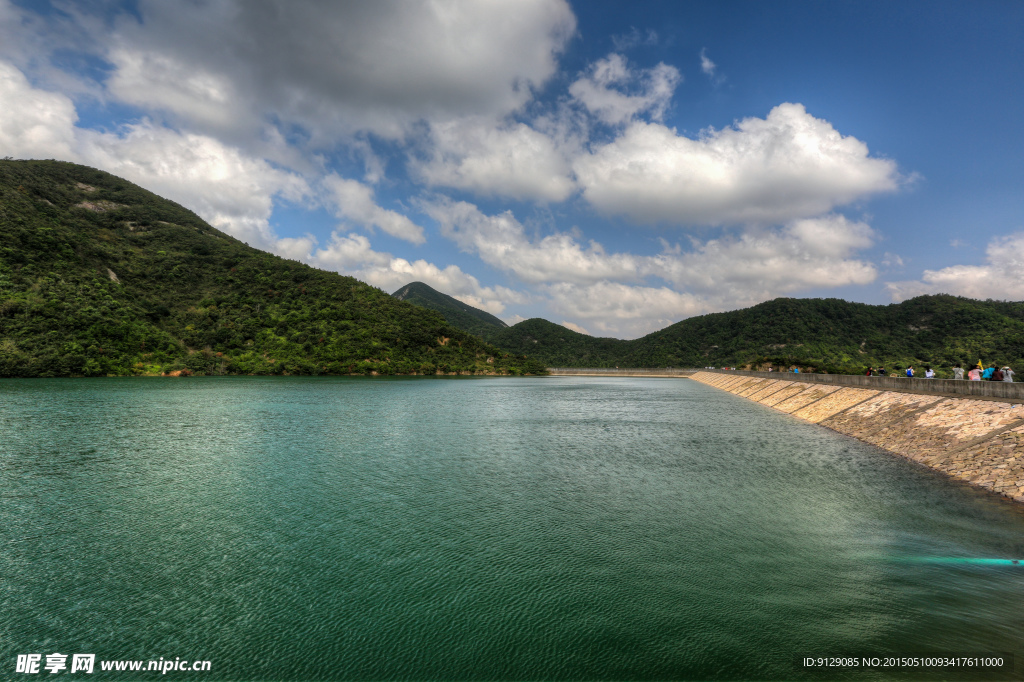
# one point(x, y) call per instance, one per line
point(1008, 374)
point(958, 372)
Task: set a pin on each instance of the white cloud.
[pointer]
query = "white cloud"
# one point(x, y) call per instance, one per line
point(575, 327)
point(758, 263)
point(34, 123)
point(761, 264)
point(501, 241)
point(349, 254)
point(891, 260)
point(615, 93)
point(336, 67)
point(789, 165)
point(26, 38)
point(710, 69)
point(1001, 278)
point(511, 160)
point(706, 65)
point(155, 81)
point(513, 320)
point(622, 310)
point(295, 248)
point(354, 200)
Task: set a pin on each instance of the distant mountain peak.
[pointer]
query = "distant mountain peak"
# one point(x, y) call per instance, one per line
point(458, 314)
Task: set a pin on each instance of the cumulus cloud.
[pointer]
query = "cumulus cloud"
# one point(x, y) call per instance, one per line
point(154, 81)
point(1002, 276)
point(574, 327)
point(336, 67)
point(28, 38)
point(501, 241)
point(789, 165)
point(34, 123)
point(706, 65)
point(355, 201)
point(481, 156)
point(348, 254)
point(622, 310)
point(709, 68)
point(615, 93)
point(804, 253)
point(761, 264)
point(892, 260)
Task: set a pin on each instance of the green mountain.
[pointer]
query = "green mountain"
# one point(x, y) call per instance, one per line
point(99, 276)
point(822, 334)
point(458, 314)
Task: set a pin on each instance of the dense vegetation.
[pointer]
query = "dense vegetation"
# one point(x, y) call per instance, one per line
point(458, 314)
point(829, 335)
point(101, 277)
point(814, 334)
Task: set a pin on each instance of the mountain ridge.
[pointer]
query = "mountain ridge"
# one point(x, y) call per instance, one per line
point(825, 334)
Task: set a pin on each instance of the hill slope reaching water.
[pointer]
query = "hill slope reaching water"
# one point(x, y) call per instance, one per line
point(99, 276)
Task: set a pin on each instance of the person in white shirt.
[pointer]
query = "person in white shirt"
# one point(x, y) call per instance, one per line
point(1007, 374)
point(929, 373)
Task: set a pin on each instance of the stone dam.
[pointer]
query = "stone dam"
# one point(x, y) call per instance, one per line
point(974, 438)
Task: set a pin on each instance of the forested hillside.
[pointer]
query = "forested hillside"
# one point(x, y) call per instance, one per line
point(822, 334)
point(101, 277)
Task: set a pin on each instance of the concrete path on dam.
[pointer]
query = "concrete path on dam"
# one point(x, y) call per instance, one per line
point(625, 372)
point(973, 438)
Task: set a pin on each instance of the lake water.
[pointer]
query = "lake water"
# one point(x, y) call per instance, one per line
point(477, 529)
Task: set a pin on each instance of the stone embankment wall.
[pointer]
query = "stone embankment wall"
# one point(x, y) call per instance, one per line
point(979, 440)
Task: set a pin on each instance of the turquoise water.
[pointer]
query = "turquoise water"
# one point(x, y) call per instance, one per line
point(477, 529)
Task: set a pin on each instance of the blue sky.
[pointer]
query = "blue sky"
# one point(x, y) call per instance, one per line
point(614, 167)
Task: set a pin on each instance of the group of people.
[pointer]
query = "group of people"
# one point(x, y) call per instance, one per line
point(976, 373)
point(929, 373)
point(990, 373)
